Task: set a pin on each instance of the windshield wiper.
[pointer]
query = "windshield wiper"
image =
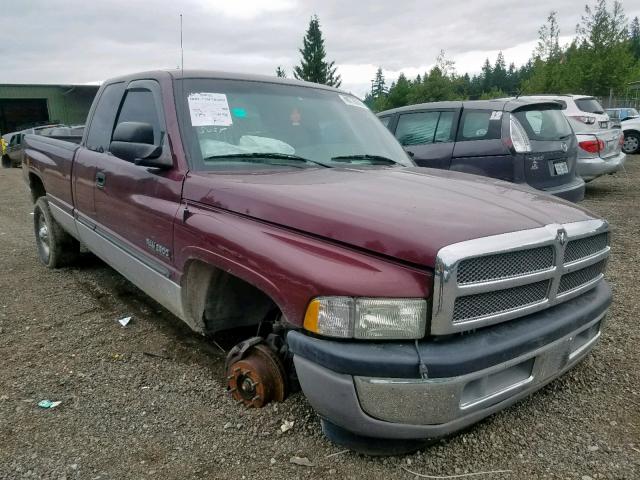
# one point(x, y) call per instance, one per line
point(256, 156)
point(374, 159)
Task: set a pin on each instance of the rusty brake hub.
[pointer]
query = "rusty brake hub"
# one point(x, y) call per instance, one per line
point(255, 374)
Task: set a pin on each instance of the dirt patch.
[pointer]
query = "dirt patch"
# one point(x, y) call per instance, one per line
point(146, 400)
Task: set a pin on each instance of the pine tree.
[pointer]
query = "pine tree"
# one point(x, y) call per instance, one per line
point(634, 34)
point(548, 44)
point(486, 76)
point(378, 87)
point(280, 72)
point(313, 66)
point(399, 92)
point(499, 75)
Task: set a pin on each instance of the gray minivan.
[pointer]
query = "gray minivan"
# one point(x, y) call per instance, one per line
point(520, 141)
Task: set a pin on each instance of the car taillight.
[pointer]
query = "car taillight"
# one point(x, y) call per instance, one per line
point(621, 140)
point(519, 138)
point(585, 119)
point(592, 146)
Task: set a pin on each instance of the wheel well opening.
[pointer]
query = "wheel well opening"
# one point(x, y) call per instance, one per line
point(220, 303)
point(37, 187)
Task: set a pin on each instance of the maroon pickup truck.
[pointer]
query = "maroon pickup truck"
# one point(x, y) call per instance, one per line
point(408, 303)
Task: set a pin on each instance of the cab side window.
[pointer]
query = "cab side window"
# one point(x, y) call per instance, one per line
point(102, 123)
point(139, 106)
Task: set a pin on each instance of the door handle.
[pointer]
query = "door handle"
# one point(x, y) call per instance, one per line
point(101, 178)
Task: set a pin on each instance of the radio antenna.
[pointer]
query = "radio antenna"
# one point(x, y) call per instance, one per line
point(181, 49)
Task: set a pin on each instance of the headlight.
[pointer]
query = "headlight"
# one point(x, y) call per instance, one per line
point(367, 318)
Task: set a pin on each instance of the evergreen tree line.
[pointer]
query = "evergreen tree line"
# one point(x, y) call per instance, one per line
point(602, 59)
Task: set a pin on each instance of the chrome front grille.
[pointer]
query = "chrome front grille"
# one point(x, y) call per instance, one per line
point(491, 303)
point(583, 247)
point(505, 265)
point(494, 279)
point(578, 278)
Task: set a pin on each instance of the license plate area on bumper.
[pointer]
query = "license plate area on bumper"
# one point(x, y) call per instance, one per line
point(560, 168)
point(437, 401)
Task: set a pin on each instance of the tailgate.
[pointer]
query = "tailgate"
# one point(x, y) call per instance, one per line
point(549, 164)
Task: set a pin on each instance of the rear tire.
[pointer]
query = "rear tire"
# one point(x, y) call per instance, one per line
point(631, 143)
point(6, 162)
point(56, 248)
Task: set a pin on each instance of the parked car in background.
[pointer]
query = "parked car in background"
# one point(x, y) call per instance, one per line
point(518, 140)
point(599, 151)
point(12, 156)
point(13, 152)
point(617, 115)
point(582, 108)
point(409, 303)
point(631, 130)
point(4, 141)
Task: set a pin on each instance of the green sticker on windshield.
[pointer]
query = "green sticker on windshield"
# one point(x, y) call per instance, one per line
point(239, 112)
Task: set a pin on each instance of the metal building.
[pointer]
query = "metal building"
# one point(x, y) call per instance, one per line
point(23, 106)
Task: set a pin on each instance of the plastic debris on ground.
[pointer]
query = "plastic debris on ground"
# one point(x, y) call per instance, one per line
point(48, 404)
point(303, 461)
point(124, 321)
point(286, 426)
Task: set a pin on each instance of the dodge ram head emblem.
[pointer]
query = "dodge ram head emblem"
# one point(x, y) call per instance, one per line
point(562, 236)
point(564, 147)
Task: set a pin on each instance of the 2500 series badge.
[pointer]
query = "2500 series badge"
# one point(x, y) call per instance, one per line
point(157, 248)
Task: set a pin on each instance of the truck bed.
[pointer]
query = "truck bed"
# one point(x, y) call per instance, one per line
point(55, 166)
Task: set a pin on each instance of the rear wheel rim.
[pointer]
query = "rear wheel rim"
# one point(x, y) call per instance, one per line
point(630, 144)
point(43, 238)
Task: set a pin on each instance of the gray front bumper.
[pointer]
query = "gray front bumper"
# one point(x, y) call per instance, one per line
point(590, 168)
point(403, 408)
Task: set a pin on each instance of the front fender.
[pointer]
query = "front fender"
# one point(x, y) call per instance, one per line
point(290, 267)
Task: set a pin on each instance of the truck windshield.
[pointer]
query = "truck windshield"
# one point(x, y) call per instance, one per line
point(238, 123)
point(544, 124)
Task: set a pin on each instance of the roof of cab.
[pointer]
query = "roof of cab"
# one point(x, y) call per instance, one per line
point(502, 104)
point(217, 75)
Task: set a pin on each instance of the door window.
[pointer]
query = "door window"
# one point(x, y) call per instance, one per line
point(478, 125)
point(417, 128)
point(139, 106)
point(444, 131)
point(99, 134)
point(385, 121)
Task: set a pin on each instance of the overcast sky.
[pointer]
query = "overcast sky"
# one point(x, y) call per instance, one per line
point(79, 41)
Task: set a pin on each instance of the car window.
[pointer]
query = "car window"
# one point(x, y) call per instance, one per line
point(99, 134)
point(544, 124)
point(534, 117)
point(417, 128)
point(590, 105)
point(139, 106)
point(444, 131)
point(480, 125)
point(385, 121)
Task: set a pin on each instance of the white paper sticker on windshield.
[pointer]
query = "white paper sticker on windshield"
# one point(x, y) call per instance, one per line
point(209, 109)
point(496, 115)
point(353, 101)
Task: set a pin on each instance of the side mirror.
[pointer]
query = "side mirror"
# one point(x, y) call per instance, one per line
point(133, 142)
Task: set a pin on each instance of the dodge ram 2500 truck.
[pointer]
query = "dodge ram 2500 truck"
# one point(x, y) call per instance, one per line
point(407, 302)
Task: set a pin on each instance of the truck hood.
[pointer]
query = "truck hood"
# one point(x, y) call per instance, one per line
point(404, 213)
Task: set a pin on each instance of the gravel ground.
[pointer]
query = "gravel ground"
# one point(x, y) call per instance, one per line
point(146, 400)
